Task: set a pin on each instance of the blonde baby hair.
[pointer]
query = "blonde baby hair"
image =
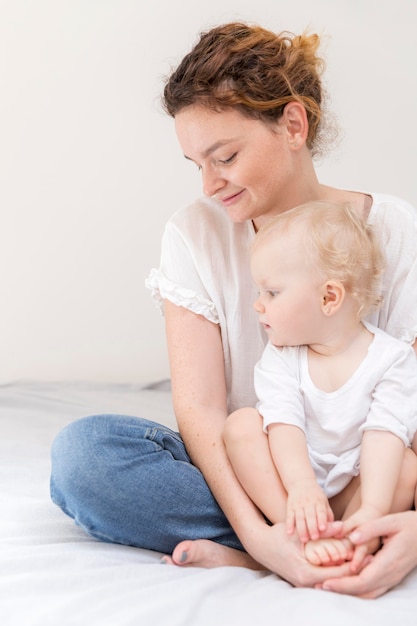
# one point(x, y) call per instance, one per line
point(340, 244)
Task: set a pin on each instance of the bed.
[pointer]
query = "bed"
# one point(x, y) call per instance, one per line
point(52, 574)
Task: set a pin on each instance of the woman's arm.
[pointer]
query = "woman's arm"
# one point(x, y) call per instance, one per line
point(200, 404)
point(199, 395)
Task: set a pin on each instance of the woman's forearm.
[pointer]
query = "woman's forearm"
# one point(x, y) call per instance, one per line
point(200, 404)
point(203, 437)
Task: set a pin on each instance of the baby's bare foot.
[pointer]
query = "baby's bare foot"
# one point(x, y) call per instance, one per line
point(209, 554)
point(330, 551)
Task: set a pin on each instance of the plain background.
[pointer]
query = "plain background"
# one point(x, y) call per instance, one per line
point(90, 169)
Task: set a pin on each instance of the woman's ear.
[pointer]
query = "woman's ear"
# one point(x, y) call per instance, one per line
point(332, 296)
point(296, 124)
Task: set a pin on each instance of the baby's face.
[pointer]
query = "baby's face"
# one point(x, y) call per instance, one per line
point(289, 301)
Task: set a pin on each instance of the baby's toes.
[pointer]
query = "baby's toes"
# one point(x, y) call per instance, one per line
point(314, 553)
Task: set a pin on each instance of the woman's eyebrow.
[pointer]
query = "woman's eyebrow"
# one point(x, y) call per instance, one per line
point(208, 151)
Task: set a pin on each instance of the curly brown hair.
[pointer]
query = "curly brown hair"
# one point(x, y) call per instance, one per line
point(253, 70)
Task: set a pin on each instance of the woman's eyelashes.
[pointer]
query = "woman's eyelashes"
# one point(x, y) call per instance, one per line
point(229, 160)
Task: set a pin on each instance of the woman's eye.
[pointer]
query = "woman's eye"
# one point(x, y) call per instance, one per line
point(229, 160)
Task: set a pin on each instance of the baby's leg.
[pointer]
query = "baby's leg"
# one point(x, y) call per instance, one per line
point(406, 492)
point(249, 453)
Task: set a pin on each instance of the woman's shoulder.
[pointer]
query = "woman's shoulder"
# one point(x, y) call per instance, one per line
point(388, 345)
point(390, 209)
point(201, 212)
point(205, 223)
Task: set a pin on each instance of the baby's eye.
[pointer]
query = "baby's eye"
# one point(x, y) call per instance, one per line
point(272, 293)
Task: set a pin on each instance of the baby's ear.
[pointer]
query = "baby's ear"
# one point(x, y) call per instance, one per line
point(332, 296)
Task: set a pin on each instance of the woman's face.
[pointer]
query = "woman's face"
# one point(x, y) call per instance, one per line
point(248, 166)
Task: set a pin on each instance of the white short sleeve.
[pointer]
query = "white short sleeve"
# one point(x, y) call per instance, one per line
point(205, 268)
point(394, 397)
point(277, 386)
point(179, 278)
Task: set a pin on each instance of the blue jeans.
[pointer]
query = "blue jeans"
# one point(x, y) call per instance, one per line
point(129, 480)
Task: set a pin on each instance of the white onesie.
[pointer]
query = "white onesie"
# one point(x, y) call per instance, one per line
point(381, 395)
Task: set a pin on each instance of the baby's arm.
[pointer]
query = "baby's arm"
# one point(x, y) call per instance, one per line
point(382, 456)
point(308, 509)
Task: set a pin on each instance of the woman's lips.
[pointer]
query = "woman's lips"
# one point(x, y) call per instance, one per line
point(228, 200)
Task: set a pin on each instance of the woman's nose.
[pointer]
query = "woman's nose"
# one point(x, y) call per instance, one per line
point(212, 181)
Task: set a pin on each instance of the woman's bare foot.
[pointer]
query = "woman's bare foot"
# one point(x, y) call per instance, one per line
point(209, 554)
point(331, 551)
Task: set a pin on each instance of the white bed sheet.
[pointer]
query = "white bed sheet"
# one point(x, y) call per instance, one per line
point(52, 574)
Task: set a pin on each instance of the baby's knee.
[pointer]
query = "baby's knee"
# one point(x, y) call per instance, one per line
point(409, 469)
point(241, 425)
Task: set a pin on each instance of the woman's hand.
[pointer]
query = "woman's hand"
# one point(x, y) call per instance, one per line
point(361, 516)
point(396, 558)
point(283, 554)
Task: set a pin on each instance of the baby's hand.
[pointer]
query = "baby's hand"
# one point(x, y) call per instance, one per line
point(308, 510)
point(362, 515)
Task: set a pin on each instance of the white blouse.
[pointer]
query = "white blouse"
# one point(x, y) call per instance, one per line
point(205, 268)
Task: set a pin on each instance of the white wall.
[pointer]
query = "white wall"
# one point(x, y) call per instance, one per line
point(90, 169)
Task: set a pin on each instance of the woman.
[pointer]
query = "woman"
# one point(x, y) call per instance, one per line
point(247, 106)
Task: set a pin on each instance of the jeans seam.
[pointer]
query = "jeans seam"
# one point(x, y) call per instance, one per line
point(152, 433)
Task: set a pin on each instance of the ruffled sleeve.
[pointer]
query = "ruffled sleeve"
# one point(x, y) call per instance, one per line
point(162, 288)
point(204, 268)
point(184, 275)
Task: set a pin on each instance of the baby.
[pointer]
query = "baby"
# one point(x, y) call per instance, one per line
point(332, 432)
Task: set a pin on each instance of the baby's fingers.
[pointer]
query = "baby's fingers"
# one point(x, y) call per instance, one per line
point(317, 518)
point(302, 526)
point(290, 522)
point(324, 516)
